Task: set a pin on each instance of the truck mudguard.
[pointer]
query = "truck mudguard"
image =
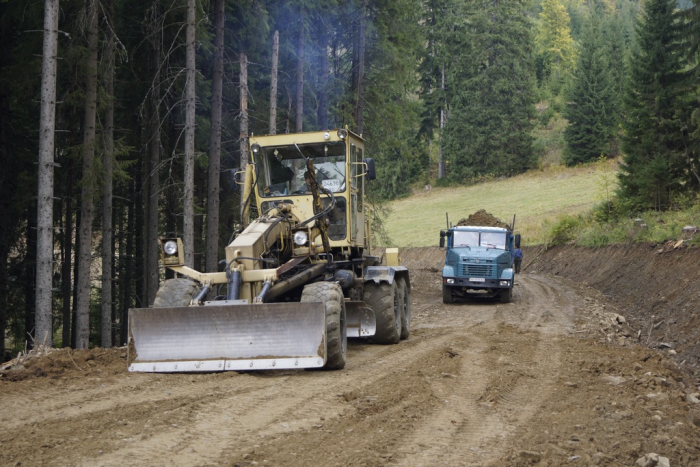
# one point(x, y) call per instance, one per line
point(448, 271)
point(507, 274)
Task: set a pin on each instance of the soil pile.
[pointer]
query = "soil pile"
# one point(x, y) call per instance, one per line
point(483, 219)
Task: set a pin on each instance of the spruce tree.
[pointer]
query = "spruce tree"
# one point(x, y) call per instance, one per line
point(654, 166)
point(489, 131)
point(590, 101)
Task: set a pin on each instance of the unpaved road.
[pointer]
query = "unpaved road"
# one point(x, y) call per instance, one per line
point(539, 381)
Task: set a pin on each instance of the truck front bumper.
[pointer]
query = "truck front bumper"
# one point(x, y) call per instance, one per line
point(469, 283)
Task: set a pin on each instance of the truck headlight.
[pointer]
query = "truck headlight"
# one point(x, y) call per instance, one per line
point(450, 281)
point(505, 283)
point(300, 238)
point(170, 247)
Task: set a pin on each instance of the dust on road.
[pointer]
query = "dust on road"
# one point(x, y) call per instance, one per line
point(537, 381)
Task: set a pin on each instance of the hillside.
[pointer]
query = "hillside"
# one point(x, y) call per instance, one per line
point(536, 198)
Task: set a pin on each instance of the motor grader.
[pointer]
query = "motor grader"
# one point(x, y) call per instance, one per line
point(296, 282)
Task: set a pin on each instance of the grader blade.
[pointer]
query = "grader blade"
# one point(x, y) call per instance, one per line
point(360, 320)
point(268, 336)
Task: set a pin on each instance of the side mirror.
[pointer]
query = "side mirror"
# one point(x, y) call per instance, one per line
point(442, 241)
point(517, 240)
point(371, 173)
point(234, 179)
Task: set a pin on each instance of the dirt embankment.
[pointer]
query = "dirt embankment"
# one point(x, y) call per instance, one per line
point(656, 289)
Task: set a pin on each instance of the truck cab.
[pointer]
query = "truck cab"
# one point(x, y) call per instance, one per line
point(478, 262)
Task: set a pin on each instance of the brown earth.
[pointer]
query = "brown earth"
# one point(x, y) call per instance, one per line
point(483, 219)
point(560, 376)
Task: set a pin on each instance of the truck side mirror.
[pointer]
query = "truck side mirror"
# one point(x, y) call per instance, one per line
point(517, 240)
point(371, 173)
point(442, 242)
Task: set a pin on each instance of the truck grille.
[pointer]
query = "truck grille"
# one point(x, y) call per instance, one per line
point(477, 270)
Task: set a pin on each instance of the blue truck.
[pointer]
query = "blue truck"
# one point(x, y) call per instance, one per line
point(478, 262)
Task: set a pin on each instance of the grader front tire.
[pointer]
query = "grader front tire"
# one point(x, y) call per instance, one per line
point(176, 292)
point(331, 295)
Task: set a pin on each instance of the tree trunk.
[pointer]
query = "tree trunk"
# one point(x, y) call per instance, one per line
point(273, 82)
point(126, 277)
point(107, 166)
point(299, 120)
point(212, 247)
point(188, 200)
point(88, 181)
point(67, 267)
point(44, 253)
point(244, 117)
point(441, 162)
point(323, 82)
point(149, 238)
point(359, 111)
point(30, 292)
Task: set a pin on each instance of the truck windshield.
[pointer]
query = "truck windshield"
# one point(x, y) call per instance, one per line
point(485, 239)
point(493, 240)
point(282, 168)
point(465, 239)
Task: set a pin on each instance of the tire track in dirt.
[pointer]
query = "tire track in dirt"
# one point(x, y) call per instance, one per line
point(507, 372)
point(289, 402)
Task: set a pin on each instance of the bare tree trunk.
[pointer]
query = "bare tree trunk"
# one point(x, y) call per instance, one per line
point(359, 111)
point(323, 80)
point(289, 109)
point(88, 182)
point(244, 117)
point(188, 201)
point(299, 120)
point(441, 162)
point(212, 247)
point(107, 166)
point(273, 82)
point(149, 243)
point(126, 278)
point(44, 253)
point(67, 266)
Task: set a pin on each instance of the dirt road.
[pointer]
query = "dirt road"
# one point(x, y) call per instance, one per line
point(538, 381)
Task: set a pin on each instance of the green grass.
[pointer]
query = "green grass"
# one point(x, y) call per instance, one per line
point(537, 198)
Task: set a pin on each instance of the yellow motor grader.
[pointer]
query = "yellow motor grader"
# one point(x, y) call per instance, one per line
point(297, 281)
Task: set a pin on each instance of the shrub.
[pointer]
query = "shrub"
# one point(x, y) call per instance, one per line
point(564, 230)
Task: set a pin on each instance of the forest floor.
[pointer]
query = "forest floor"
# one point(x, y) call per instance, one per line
point(573, 371)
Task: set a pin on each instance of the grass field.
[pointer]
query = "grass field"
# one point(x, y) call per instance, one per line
point(536, 198)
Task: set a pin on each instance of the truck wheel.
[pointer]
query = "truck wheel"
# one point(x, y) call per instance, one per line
point(446, 294)
point(331, 295)
point(383, 298)
point(405, 299)
point(176, 292)
point(506, 295)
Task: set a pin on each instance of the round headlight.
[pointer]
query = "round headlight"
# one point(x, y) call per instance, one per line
point(170, 247)
point(326, 136)
point(300, 238)
point(255, 147)
point(342, 133)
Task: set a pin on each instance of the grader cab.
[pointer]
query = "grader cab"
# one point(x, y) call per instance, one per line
point(298, 280)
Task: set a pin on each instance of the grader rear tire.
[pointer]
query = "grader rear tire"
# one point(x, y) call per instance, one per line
point(383, 298)
point(331, 295)
point(176, 292)
point(405, 300)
